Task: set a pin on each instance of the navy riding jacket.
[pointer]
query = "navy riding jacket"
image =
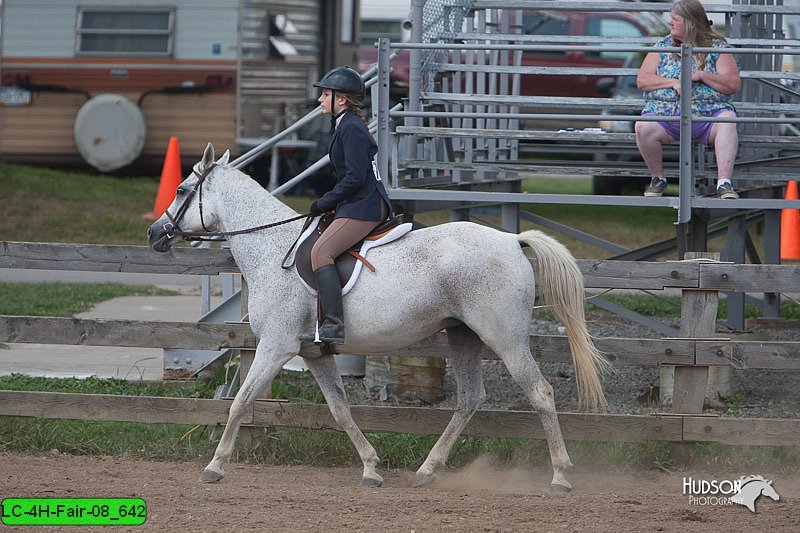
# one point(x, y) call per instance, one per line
point(357, 192)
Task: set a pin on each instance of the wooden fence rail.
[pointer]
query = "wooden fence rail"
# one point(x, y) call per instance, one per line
point(546, 348)
point(598, 273)
point(688, 276)
point(423, 421)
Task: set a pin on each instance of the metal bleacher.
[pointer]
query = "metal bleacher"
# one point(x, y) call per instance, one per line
point(462, 139)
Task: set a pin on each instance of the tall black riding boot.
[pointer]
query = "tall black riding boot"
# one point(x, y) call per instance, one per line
point(331, 327)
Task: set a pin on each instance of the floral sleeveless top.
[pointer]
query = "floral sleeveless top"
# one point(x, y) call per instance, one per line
point(705, 100)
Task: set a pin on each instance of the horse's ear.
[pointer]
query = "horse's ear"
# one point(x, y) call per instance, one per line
point(225, 157)
point(208, 157)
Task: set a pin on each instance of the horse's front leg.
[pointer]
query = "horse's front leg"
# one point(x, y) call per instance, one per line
point(330, 382)
point(266, 365)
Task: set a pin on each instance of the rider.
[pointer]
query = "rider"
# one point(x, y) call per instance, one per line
point(359, 198)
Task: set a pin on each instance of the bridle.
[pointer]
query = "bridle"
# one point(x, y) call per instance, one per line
point(172, 228)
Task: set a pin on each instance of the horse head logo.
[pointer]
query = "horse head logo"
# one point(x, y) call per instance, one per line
point(751, 488)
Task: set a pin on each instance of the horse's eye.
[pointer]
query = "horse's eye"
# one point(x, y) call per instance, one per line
point(180, 191)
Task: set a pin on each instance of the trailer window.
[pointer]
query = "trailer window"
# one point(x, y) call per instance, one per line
point(279, 29)
point(125, 32)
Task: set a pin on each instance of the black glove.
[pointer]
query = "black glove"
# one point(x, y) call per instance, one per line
point(314, 210)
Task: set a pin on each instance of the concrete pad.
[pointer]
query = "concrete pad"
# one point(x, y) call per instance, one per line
point(107, 362)
point(163, 308)
point(59, 361)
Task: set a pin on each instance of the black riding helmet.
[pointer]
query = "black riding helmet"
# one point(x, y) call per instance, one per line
point(344, 80)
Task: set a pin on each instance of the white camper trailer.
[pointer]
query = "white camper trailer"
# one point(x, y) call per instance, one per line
point(110, 81)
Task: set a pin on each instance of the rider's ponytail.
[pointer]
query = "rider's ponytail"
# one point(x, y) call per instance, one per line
point(355, 105)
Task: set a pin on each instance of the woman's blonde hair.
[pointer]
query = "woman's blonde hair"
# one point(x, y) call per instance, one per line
point(697, 25)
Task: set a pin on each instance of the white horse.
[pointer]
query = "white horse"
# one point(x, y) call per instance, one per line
point(474, 282)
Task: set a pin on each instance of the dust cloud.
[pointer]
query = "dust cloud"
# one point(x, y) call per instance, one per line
point(485, 474)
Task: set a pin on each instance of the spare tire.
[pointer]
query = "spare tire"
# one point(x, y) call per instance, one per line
point(109, 131)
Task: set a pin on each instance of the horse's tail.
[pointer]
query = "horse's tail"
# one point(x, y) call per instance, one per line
point(561, 284)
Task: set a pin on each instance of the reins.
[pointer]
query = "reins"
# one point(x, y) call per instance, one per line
point(173, 227)
point(208, 236)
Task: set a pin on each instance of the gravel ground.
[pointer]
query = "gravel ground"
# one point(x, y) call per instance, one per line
point(630, 389)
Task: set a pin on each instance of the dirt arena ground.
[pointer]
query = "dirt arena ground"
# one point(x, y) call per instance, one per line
point(479, 498)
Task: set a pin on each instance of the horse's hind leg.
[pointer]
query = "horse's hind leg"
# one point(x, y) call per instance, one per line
point(330, 382)
point(466, 348)
point(526, 373)
point(263, 370)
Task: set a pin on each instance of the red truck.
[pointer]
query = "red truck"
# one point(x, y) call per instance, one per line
point(558, 23)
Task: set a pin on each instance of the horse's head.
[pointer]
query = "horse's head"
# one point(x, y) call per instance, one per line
point(751, 488)
point(186, 215)
point(768, 490)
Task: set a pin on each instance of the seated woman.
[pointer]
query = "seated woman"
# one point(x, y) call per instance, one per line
point(715, 79)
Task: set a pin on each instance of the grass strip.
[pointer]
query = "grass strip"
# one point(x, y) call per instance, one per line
point(65, 299)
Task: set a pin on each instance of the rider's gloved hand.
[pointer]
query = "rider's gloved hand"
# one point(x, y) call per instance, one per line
point(314, 210)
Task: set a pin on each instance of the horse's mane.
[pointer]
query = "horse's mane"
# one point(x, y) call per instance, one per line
point(255, 190)
point(747, 479)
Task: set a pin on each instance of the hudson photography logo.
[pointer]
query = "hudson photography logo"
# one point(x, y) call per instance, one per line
point(743, 491)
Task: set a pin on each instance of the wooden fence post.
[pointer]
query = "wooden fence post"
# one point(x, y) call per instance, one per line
point(698, 320)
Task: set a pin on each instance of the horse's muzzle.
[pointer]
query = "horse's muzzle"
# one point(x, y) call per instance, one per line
point(159, 236)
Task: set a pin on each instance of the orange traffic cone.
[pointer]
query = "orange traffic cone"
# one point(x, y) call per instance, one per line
point(171, 177)
point(790, 226)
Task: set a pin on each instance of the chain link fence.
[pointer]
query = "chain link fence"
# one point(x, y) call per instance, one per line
point(442, 19)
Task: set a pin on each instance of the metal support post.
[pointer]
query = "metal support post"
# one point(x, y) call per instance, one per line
point(205, 288)
point(509, 213)
point(414, 73)
point(686, 174)
point(733, 250)
point(772, 256)
point(692, 236)
point(383, 107)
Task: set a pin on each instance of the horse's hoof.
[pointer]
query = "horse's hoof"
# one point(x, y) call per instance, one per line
point(421, 479)
point(372, 481)
point(559, 489)
point(209, 476)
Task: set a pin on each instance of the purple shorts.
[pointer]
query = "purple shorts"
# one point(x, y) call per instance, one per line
point(700, 130)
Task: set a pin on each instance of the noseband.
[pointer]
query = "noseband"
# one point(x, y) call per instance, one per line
point(172, 228)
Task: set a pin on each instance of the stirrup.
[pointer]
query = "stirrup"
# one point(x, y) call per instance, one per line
point(330, 340)
point(313, 337)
